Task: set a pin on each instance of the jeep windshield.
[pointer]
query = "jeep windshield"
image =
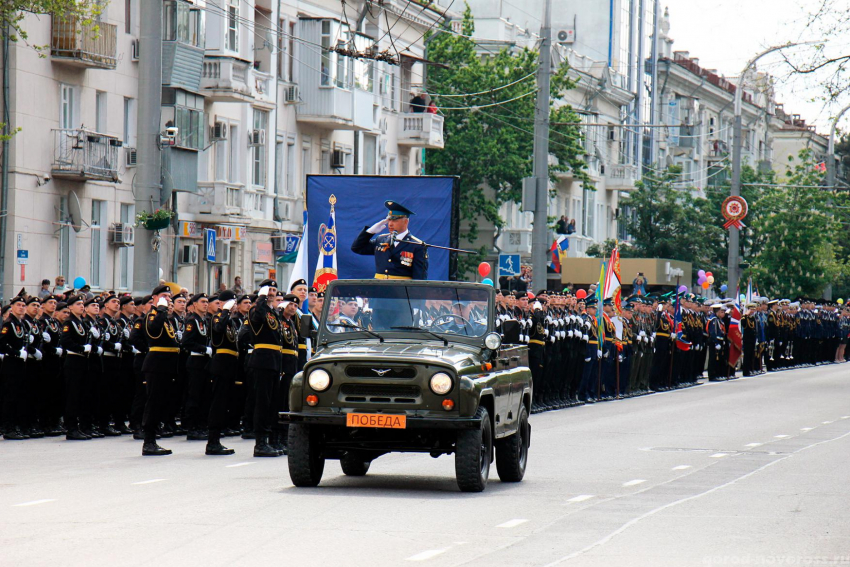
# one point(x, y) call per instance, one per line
point(420, 309)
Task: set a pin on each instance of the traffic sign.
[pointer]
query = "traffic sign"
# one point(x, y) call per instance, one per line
point(209, 239)
point(23, 257)
point(509, 265)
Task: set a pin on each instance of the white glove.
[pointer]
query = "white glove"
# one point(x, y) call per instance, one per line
point(228, 305)
point(179, 335)
point(127, 333)
point(23, 354)
point(209, 351)
point(117, 347)
point(584, 338)
point(547, 332)
point(86, 349)
point(537, 306)
point(587, 324)
point(2, 356)
point(37, 354)
point(598, 353)
point(620, 358)
point(46, 336)
point(570, 333)
point(717, 347)
point(136, 351)
point(95, 333)
point(642, 334)
point(99, 350)
point(31, 339)
point(377, 227)
point(264, 291)
point(59, 351)
point(499, 322)
point(162, 302)
point(552, 339)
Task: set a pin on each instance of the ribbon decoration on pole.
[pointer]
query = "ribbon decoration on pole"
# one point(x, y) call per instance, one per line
point(734, 209)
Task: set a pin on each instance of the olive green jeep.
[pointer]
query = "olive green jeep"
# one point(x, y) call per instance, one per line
point(410, 366)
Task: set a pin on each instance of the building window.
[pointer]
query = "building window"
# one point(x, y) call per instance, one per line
point(258, 152)
point(188, 113)
point(370, 145)
point(232, 32)
point(305, 164)
point(128, 11)
point(183, 22)
point(125, 253)
point(335, 68)
point(67, 240)
point(100, 111)
point(68, 106)
point(130, 122)
point(588, 205)
point(98, 209)
point(290, 167)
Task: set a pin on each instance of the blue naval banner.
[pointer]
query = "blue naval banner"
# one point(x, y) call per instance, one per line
point(360, 203)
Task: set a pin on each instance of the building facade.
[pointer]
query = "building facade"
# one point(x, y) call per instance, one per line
point(260, 98)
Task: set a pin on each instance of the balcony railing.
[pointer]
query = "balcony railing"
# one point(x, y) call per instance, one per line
point(225, 79)
point(421, 129)
point(76, 43)
point(218, 199)
point(85, 155)
point(620, 177)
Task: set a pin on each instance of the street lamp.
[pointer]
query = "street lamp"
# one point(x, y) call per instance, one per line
point(734, 259)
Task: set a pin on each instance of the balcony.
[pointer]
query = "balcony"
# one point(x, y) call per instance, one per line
point(421, 129)
point(579, 245)
point(718, 150)
point(74, 43)
point(620, 177)
point(219, 199)
point(225, 79)
point(83, 155)
point(263, 91)
point(515, 241)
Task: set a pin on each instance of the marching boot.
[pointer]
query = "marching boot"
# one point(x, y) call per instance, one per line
point(214, 446)
point(262, 447)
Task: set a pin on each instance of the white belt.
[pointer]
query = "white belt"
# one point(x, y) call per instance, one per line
point(197, 354)
point(110, 354)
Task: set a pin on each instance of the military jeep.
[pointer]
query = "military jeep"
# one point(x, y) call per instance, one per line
point(410, 366)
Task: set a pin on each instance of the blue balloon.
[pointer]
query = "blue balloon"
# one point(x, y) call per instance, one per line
point(487, 281)
point(724, 287)
point(79, 282)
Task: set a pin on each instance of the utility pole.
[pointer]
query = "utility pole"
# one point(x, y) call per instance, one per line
point(539, 244)
point(147, 186)
point(654, 102)
point(733, 260)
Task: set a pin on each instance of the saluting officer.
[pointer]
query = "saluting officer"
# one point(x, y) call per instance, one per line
point(159, 367)
point(195, 343)
point(299, 289)
point(398, 255)
point(265, 363)
point(139, 343)
point(288, 309)
point(74, 342)
point(224, 368)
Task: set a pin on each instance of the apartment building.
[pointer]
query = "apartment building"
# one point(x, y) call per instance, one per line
point(260, 101)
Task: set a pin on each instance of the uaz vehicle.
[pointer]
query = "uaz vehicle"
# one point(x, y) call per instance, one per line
point(410, 366)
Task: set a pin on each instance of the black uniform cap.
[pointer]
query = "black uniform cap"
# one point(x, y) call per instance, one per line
point(296, 283)
point(161, 289)
point(17, 299)
point(520, 294)
point(214, 297)
point(125, 299)
point(397, 210)
point(76, 299)
point(33, 300)
point(292, 298)
point(90, 301)
point(243, 297)
point(196, 297)
point(590, 302)
point(60, 305)
point(313, 289)
point(320, 294)
point(269, 282)
point(226, 295)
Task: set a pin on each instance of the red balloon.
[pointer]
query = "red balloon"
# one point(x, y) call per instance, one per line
point(484, 269)
point(708, 275)
point(581, 294)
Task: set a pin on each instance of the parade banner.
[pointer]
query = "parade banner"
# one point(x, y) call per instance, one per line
point(359, 203)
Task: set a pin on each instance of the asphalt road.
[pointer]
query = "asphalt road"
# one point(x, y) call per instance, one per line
point(749, 472)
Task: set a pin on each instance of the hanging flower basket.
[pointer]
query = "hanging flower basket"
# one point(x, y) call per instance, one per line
point(157, 220)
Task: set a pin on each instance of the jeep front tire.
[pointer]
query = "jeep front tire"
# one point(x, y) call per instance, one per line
point(473, 454)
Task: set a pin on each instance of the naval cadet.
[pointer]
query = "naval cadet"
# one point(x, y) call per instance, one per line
point(224, 369)
point(398, 255)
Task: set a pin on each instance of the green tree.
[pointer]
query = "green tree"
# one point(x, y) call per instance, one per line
point(490, 147)
point(794, 245)
point(667, 222)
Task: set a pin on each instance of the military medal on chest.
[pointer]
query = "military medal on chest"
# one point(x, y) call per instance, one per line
point(407, 259)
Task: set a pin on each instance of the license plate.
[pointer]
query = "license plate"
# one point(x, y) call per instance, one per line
point(381, 421)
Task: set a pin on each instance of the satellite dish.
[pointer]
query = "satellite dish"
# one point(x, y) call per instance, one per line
point(75, 210)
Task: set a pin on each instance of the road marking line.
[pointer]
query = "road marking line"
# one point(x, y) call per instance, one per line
point(826, 422)
point(512, 523)
point(634, 482)
point(238, 465)
point(845, 417)
point(681, 467)
point(580, 498)
point(151, 481)
point(781, 436)
point(806, 428)
point(719, 455)
point(753, 444)
point(34, 502)
point(425, 555)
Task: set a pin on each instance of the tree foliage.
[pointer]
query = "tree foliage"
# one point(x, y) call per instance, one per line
point(13, 12)
point(490, 147)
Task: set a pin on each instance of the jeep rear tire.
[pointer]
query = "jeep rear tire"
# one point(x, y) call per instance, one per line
point(354, 464)
point(512, 451)
point(306, 463)
point(473, 454)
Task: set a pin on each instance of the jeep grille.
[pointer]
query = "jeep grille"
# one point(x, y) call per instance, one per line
point(379, 393)
point(379, 371)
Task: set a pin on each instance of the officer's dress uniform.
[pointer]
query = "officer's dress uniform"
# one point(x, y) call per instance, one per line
point(716, 339)
point(399, 257)
point(33, 389)
point(51, 375)
point(225, 373)
point(289, 367)
point(139, 344)
point(74, 342)
point(126, 380)
point(159, 367)
point(13, 345)
point(661, 355)
point(91, 392)
point(198, 391)
point(266, 364)
point(111, 382)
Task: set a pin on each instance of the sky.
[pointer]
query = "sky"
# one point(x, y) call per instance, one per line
point(725, 34)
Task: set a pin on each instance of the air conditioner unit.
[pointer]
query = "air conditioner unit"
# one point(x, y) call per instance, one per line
point(130, 157)
point(189, 254)
point(218, 132)
point(134, 50)
point(337, 159)
point(290, 94)
point(122, 234)
point(222, 252)
point(565, 35)
point(279, 242)
point(257, 138)
point(612, 134)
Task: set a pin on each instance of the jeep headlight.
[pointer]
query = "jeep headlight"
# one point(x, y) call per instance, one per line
point(441, 383)
point(319, 380)
point(493, 341)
